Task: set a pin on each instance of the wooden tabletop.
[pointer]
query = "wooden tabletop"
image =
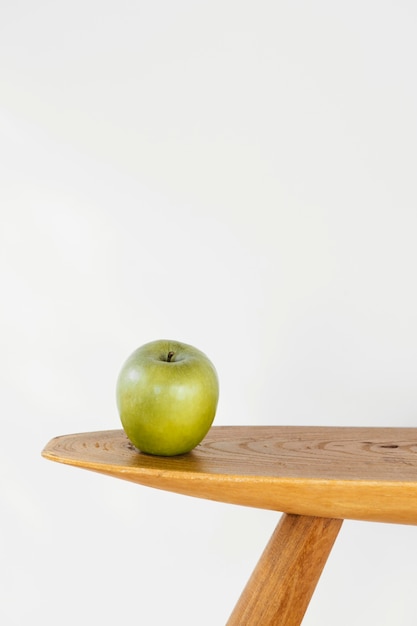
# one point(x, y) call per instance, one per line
point(339, 472)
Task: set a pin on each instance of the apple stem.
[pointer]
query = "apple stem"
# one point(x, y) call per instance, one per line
point(170, 355)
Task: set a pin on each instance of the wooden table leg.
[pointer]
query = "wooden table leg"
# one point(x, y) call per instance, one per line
point(284, 579)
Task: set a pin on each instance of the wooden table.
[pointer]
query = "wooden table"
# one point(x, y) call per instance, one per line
point(316, 476)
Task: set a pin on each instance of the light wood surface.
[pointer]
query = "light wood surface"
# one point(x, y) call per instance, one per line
point(332, 472)
point(282, 583)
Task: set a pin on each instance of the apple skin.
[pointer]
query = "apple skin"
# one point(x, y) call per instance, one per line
point(167, 394)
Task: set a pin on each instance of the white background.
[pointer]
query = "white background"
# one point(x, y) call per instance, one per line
point(237, 175)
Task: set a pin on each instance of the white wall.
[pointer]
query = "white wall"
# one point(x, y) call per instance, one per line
point(237, 175)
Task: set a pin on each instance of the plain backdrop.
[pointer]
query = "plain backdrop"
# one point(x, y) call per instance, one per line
point(237, 175)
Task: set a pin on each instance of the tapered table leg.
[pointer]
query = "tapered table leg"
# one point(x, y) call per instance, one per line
point(284, 579)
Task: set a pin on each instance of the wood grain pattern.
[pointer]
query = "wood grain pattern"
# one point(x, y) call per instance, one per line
point(283, 582)
point(334, 472)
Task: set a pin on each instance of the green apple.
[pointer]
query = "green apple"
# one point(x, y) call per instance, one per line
point(167, 394)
